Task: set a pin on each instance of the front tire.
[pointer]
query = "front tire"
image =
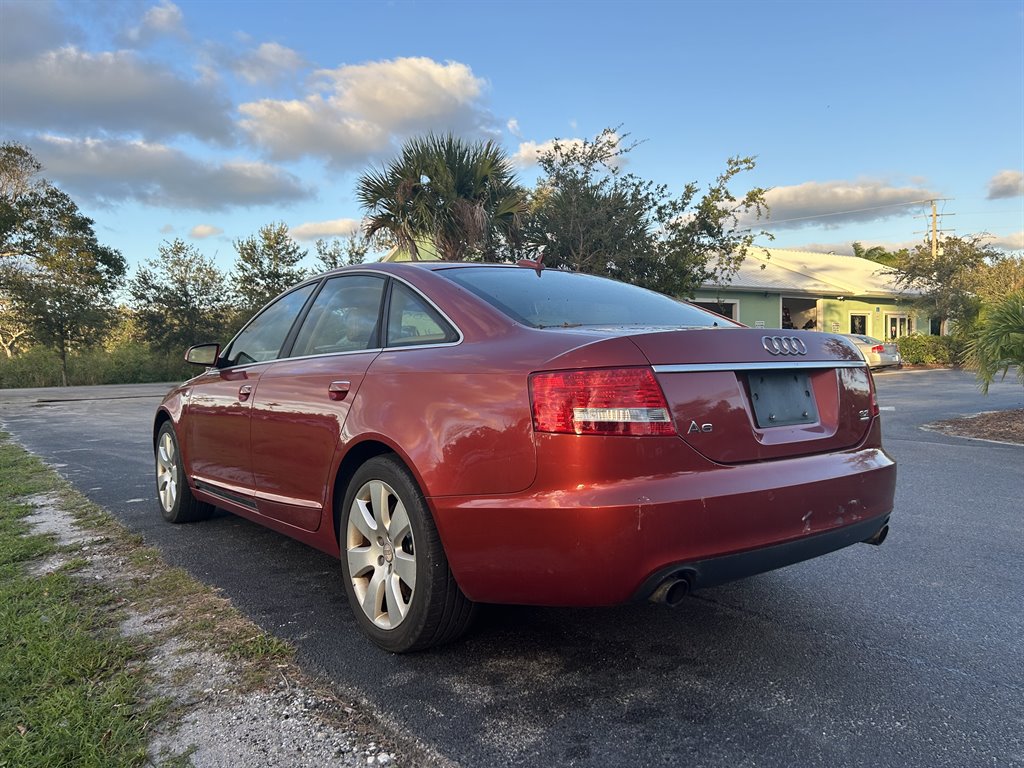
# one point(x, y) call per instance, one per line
point(177, 503)
point(394, 569)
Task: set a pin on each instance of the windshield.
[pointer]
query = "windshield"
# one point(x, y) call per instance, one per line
point(554, 298)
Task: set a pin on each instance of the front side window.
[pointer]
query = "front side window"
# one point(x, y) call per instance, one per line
point(263, 337)
point(343, 317)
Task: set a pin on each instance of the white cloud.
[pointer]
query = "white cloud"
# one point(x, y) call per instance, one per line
point(268, 63)
point(1006, 184)
point(530, 151)
point(513, 127)
point(29, 28)
point(165, 17)
point(1011, 242)
point(162, 19)
point(314, 230)
point(110, 171)
point(355, 111)
point(831, 204)
point(202, 231)
point(81, 93)
point(167, 229)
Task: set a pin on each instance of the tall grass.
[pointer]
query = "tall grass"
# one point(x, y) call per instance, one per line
point(129, 363)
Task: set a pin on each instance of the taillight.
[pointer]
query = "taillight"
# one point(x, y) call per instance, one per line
point(875, 411)
point(878, 349)
point(602, 401)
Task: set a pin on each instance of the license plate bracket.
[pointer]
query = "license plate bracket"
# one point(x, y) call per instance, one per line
point(782, 398)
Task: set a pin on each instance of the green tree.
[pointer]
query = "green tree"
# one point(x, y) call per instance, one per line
point(267, 264)
point(60, 281)
point(1002, 275)
point(588, 215)
point(879, 254)
point(337, 253)
point(13, 333)
point(19, 171)
point(19, 178)
point(998, 342)
point(461, 195)
point(948, 284)
point(180, 298)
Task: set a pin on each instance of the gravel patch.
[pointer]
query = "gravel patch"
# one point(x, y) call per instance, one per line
point(997, 426)
point(218, 717)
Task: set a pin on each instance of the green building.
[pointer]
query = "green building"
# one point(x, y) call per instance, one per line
point(778, 288)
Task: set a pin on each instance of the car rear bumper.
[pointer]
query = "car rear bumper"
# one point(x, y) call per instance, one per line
point(718, 570)
point(609, 543)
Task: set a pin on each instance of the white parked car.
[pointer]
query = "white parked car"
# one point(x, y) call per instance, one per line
point(877, 353)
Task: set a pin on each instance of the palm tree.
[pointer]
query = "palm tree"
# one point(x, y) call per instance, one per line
point(875, 253)
point(461, 195)
point(998, 342)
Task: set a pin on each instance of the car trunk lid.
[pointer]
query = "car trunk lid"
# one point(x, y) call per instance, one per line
point(740, 395)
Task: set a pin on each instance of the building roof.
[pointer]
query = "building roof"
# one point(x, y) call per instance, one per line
point(426, 251)
point(805, 272)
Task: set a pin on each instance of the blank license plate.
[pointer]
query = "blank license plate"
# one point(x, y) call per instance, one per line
point(782, 399)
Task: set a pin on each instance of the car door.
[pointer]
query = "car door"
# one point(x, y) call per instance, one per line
point(300, 407)
point(219, 404)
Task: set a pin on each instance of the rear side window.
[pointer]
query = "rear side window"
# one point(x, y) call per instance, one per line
point(554, 298)
point(411, 320)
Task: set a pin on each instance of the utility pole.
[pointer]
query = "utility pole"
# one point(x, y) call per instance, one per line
point(934, 232)
point(935, 237)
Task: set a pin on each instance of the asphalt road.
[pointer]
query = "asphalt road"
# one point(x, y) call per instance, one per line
point(908, 654)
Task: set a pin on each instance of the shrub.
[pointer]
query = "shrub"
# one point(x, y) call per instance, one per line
point(35, 367)
point(930, 350)
point(128, 363)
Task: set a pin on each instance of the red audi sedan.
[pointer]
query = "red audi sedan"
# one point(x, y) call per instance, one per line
point(464, 433)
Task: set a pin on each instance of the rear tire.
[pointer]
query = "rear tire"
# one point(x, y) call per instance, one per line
point(394, 569)
point(177, 503)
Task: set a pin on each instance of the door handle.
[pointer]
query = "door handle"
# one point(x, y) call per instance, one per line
point(338, 389)
point(244, 391)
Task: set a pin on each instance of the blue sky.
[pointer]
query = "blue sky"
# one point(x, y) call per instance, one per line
point(206, 120)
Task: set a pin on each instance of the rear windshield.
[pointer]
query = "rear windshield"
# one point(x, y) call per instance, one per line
point(567, 299)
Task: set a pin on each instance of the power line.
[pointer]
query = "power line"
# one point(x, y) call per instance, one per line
point(843, 213)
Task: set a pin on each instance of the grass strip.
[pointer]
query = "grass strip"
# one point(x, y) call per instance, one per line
point(73, 690)
point(70, 686)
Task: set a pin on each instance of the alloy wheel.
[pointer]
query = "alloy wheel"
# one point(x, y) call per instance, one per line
point(381, 554)
point(167, 471)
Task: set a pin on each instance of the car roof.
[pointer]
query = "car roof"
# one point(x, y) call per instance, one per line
point(402, 266)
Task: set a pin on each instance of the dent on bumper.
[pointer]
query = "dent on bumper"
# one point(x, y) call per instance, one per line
point(604, 545)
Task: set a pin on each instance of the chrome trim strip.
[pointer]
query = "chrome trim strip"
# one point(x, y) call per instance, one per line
point(767, 365)
point(288, 500)
point(244, 500)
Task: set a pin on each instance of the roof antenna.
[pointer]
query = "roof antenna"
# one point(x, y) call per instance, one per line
point(537, 264)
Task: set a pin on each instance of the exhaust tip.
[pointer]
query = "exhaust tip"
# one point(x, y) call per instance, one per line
point(672, 591)
point(879, 537)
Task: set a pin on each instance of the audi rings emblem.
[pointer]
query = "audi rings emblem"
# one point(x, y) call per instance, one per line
point(784, 345)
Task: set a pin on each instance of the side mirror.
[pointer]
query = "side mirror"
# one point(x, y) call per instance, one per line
point(203, 354)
